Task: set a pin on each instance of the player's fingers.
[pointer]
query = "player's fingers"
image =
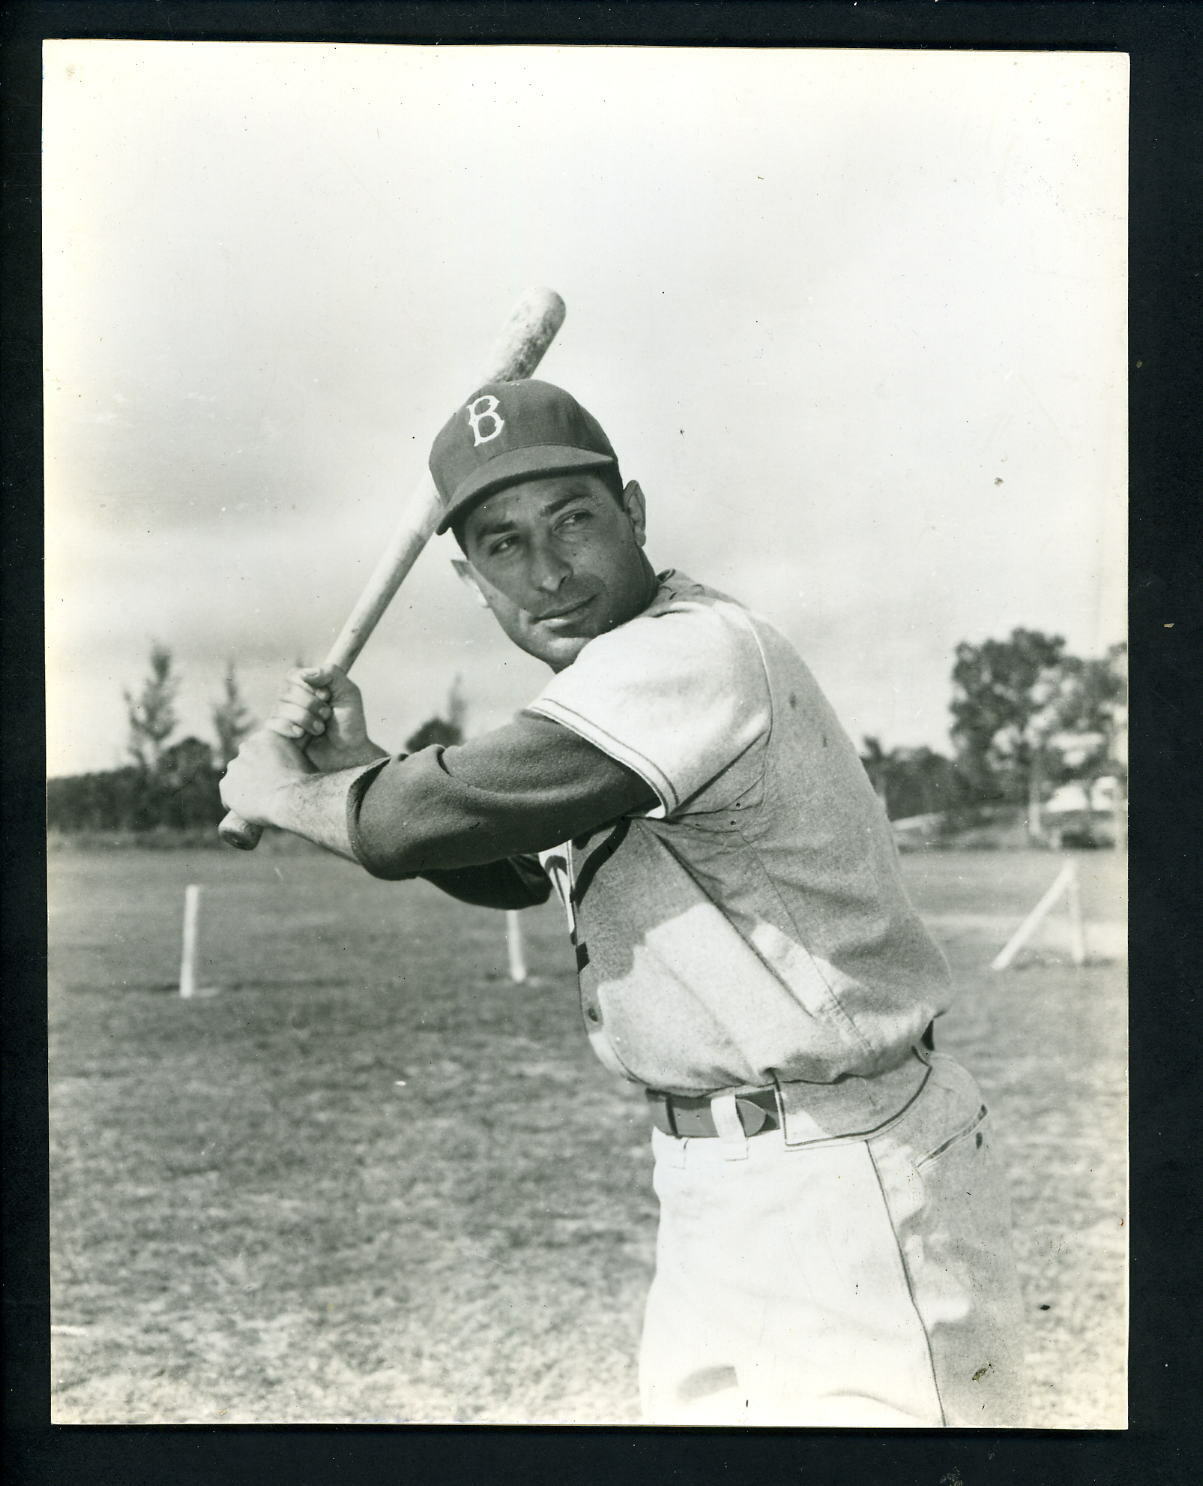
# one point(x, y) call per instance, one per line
point(295, 729)
point(297, 694)
point(314, 679)
point(300, 707)
point(333, 681)
point(283, 728)
point(306, 718)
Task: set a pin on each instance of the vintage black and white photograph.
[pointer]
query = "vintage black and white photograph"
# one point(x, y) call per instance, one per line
point(586, 688)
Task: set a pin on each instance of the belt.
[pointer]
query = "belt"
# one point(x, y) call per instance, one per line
point(690, 1114)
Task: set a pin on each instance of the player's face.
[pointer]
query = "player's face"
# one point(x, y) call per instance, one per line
point(559, 561)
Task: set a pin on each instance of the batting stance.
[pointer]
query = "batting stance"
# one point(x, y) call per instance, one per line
point(833, 1245)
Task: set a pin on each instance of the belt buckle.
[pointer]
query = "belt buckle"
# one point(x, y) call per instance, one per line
point(753, 1116)
point(671, 1111)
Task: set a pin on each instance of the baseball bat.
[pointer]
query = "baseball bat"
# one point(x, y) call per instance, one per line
point(529, 331)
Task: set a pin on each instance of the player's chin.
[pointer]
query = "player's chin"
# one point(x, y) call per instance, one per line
point(557, 651)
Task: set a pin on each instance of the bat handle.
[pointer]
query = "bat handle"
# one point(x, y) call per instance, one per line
point(235, 831)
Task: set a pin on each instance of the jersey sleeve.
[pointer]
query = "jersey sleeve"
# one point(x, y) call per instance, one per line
point(679, 696)
point(516, 791)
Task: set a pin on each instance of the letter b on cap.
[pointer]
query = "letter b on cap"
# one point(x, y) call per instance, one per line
point(484, 412)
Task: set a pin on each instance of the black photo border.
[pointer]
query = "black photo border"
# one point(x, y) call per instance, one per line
point(1166, 631)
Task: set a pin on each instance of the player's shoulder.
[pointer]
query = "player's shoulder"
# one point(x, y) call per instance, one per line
point(693, 612)
point(677, 592)
point(690, 639)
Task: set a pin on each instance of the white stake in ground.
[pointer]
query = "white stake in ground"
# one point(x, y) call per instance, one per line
point(1065, 882)
point(514, 946)
point(1077, 927)
point(188, 959)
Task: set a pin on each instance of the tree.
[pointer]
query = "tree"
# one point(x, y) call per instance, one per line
point(1117, 713)
point(457, 707)
point(96, 802)
point(998, 692)
point(913, 781)
point(877, 767)
point(445, 730)
point(433, 730)
point(187, 786)
point(231, 720)
point(924, 782)
point(1091, 716)
point(152, 717)
point(1026, 715)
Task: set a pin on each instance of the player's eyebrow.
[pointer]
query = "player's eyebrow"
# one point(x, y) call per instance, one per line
point(490, 526)
point(577, 492)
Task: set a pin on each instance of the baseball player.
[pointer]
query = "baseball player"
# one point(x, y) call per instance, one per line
point(834, 1238)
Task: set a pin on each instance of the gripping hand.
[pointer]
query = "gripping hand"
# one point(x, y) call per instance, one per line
point(321, 710)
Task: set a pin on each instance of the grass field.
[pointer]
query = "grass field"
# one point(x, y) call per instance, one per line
point(369, 1179)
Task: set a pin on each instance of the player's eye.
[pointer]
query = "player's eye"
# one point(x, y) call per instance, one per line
point(502, 546)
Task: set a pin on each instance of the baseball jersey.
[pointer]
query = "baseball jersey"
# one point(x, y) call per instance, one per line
point(730, 877)
point(752, 925)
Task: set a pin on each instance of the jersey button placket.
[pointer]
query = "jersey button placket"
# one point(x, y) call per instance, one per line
point(589, 1006)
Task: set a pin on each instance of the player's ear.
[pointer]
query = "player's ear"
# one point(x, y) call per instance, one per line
point(635, 505)
point(463, 571)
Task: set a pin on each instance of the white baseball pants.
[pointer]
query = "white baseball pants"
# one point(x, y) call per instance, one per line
point(857, 1282)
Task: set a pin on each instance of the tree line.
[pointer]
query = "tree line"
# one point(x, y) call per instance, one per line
point(1026, 717)
point(175, 786)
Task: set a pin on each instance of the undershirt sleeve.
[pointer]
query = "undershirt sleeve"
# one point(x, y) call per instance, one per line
point(516, 791)
point(516, 882)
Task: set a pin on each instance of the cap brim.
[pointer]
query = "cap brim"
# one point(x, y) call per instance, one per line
point(536, 462)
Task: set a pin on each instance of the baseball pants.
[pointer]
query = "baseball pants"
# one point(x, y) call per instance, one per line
point(862, 1281)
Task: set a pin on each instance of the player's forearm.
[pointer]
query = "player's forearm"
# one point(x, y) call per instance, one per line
point(315, 807)
point(322, 808)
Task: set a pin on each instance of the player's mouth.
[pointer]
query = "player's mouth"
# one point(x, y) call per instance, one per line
point(565, 618)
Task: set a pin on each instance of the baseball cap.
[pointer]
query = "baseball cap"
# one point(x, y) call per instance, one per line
point(510, 431)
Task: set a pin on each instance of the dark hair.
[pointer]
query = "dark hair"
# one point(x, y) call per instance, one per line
point(612, 476)
point(609, 475)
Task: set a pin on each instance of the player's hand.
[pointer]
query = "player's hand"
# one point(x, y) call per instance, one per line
point(264, 767)
point(321, 709)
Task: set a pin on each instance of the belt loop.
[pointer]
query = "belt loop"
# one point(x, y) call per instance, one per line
point(779, 1106)
point(732, 1138)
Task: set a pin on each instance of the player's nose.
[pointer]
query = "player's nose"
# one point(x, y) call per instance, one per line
point(548, 569)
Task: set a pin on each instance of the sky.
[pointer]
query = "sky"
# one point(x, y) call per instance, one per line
point(855, 319)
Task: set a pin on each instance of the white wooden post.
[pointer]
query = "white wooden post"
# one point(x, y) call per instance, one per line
point(188, 958)
point(1077, 929)
point(514, 946)
point(1030, 924)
